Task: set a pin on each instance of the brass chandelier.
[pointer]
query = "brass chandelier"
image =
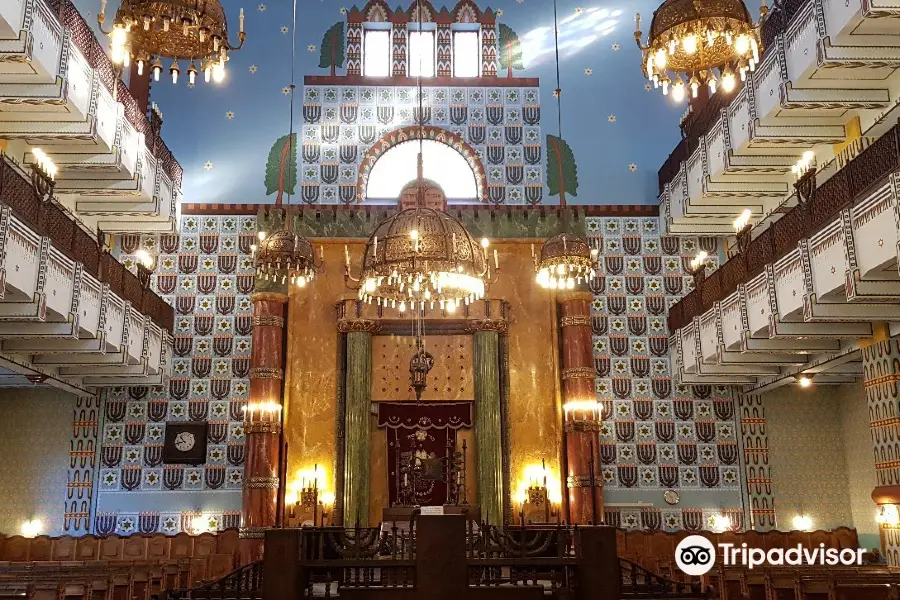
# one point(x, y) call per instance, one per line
point(286, 257)
point(425, 258)
point(194, 31)
point(565, 260)
point(691, 40)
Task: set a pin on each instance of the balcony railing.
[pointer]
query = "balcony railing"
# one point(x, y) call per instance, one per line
point(844, 189)
point(84, 39)
point(775, 23)
point(53, 221)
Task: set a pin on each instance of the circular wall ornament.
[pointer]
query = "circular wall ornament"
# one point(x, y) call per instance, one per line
point(671, 497)
point(185, 441)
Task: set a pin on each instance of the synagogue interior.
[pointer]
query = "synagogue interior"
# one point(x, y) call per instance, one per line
point(519, 309)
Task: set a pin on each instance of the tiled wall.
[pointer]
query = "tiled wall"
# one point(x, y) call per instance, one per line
point(657, 436)
point(35, 428)
point(206, 272)
point(859, 455)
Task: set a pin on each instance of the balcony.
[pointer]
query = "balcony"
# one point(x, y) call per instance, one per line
point(59, 91)
point(806, 289)
point(825, 63)
point(71, 315)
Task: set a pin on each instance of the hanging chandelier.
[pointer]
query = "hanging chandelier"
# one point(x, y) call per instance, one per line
point(193, 31)
point(422, 257)
point(565, 260)
point(286, 257)
point(699, 42)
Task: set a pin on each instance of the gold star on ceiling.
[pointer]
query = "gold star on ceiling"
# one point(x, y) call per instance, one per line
point(632, 167)
point(588, 72)
point(253, 68)
point(208, 166)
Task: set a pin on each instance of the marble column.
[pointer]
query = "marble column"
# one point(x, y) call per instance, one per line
point(582, 417)
point(357, 419)
point(262, 424)
point(488, 419)
point(881, 374)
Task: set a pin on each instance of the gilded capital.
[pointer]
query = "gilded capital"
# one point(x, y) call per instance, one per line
point(499, 325)
point(579, 373)
point(358, 325)
point(268, 297)
point(568, 296)
point(575, 321)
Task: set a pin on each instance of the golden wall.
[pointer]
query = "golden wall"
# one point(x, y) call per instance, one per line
point(535, 413)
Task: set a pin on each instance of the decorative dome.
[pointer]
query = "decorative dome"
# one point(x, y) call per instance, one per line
point(284, 255)
point(423, 255)
point(565, 260)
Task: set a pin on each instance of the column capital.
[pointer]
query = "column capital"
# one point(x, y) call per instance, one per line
point(575, 321)
point(358, 325)
point(497, 325)
point(578, 373)
point(268, 297)
point(267, 321)
point(568, 296)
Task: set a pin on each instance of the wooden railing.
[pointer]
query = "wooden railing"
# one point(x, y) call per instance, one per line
point(638, 582)
point(808, 583)
point(50, 219)
point(844, 189)
point(245, 583)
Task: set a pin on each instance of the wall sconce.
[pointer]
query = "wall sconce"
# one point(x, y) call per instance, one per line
point(721, 523)
point(43, 174)
point(742, 229)
point(32, 528)
point(145, 266)
point(262, 412)
point(582, 410)
point(888, 515)
point(200, 524)
point(805, 172)
point(697, 268)
point(802, 523)
point(803, 380)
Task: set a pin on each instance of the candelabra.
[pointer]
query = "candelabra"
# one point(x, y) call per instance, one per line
point(145, 265)
point(742, 228)
point(697, 268)
point(43, 174)
point(536, 506)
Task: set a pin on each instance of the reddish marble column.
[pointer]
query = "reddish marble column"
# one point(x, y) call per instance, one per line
point(581, 414)
point(262, 424)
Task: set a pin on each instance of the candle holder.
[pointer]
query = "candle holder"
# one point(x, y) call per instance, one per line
point(806, 186)
point(43, 174)
point(697, 268)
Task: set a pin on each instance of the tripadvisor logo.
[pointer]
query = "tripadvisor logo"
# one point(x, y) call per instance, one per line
point(695, 555)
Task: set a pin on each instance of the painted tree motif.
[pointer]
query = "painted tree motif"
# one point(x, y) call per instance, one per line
point(510, 50)
point(562, 172)
point(281, 168)
point(333, 48)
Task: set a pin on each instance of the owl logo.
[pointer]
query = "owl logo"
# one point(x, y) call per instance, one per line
point(185, 441)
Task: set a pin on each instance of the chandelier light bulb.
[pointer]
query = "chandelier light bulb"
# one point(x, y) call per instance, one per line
point(659, 60)
point(710, 36)
point(192, 73)
point(650, 73)
point(157, 69)
point(218, 73)
point(712, 83)
point(689, 43)
point(147, 19)
point(216, 40)
point(729, 36)
point(728, 80)
point(695, 86)
point(678, 91)
point(140, 67)
point(742, 44)
point(665, 86)
point(207, 72)
point(203, 33)
point(167, 22)
point(414, 234)
point(174, 71)
point(673, 45)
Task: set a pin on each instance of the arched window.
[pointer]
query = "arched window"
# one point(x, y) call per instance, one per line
point(441, 164)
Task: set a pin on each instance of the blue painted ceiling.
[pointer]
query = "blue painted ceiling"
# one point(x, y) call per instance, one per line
point(620, 131)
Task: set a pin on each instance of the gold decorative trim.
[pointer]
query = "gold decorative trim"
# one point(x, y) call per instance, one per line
point(262, 427)
point(252, 533)
point(498, 325)
point(268, 297)
point(568, 296)
point(358, 326)
point(577, 373)
point(581, 426)
point(583, 481)
point(577, 321)
point(266, 373)
point(261, 483)
point(267, 321)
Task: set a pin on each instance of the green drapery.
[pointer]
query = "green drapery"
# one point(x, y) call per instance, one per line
point(357, 426)
point(488, 426)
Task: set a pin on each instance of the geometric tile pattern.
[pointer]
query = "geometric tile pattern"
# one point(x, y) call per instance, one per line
point(81, 485)
point(341, 124)
point(206, 273)
point(757, 468)
point(655, 435)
